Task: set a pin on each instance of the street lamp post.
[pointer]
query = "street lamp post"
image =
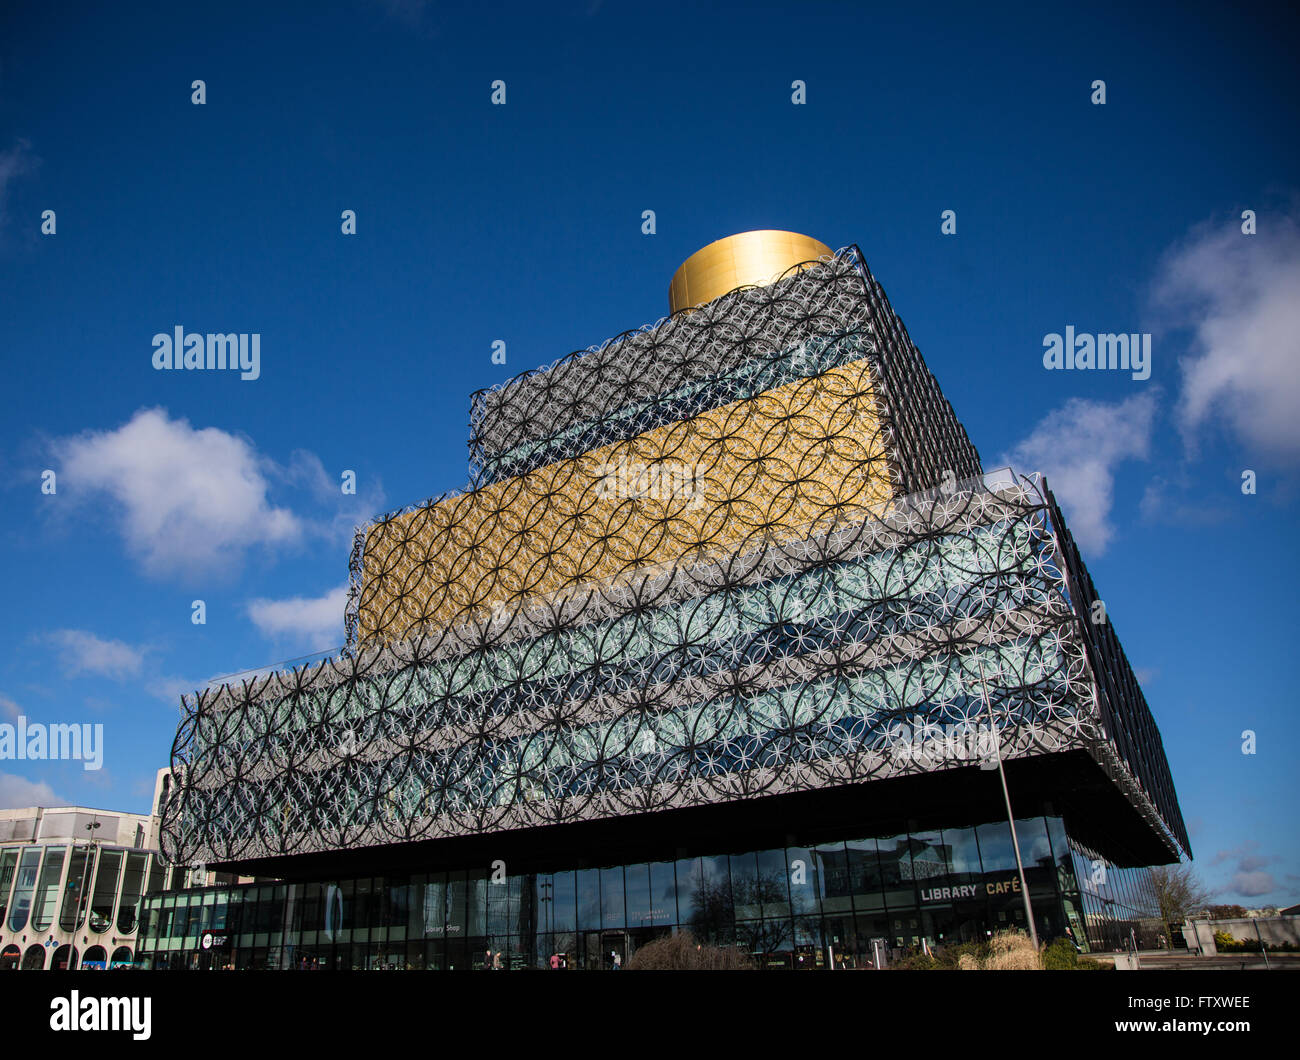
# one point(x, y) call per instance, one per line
point(1006, 795)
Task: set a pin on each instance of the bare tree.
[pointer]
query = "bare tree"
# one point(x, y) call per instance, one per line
point(1179, 891)
point(681, 952)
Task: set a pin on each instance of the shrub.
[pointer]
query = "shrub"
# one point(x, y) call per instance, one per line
point(952, 955)
point(1012, 951)
point(681, 952)
point(1005, 951)
point(1060, 955)
point(917, 962)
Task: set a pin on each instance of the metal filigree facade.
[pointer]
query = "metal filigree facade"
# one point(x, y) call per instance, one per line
point(739, 553)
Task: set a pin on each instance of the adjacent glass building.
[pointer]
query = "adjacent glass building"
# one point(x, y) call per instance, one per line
point(720, 593)
point(72, 881)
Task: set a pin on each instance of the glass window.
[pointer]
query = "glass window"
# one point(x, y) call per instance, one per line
point(589, 900)
point(121, 958)
point(397, 897)
point(896, 873)
point(714, 919)
point(105, 893)
point(836, 885)
point(613, 915)
point(476, 892)
point(929, 859)
point(864, 875)
point(47, 890)
point(500, 908)
point(24, 885)
point(663, 891)
point(132, 885)
point(640, 904)
point(456, 924)
point(564, 902)
point(433, 913)
point(8, 863)
point(963, 854)
point(805, 881)
point(76, 892)
point(365, 916)
point(417, 893)
point(157, 874)
point(1036, 854)
point(773, 883)
point(745, 889)
point(996, 852)
point(687, 872)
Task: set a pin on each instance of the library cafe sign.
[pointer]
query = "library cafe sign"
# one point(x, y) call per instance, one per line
point(1008, 885)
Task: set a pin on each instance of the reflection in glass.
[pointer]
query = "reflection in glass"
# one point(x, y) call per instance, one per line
point(836, 885)
point(23, 887)
point(47, 891)
point(8, 863)
point(640, 907)
point(564, 899)
point(896, 872)
point(805, 881)
point(611, 898)
point(589, 900)
point(76, 892)
point(157, 874)
point(132, 884)
point(102, 901)
point(773, 884)
point(663, 890)
point(864, 875)
point(744, 886)
point(688, 885)
point(714, 918)
point(996, 852)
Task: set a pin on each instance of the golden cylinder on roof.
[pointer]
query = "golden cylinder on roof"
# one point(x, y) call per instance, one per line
point(749, 258)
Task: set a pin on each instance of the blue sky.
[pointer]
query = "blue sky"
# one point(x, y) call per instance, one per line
point(523, 223)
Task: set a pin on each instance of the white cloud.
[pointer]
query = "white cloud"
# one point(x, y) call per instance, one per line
point(170, 689)
point(312, 623)
point(9, 709)
point(1252, 884)
point(17, 792)
point(1078, 447)
point(1240, 295)
point(189, 499)
point(83, 652)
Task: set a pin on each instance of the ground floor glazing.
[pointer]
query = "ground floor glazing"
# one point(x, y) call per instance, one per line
point(849, 904)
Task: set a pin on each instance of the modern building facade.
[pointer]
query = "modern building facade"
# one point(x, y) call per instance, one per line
point(729, 632)
point(73, 880)
point(71, 883)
